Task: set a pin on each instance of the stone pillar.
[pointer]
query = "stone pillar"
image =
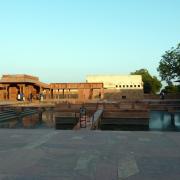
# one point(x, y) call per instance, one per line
point(51, 93)
point(7, 93)
point(69, 94)
point(55, 93)
point(102, 93)
point(20, 88)
point(63, 93)
point(58, 94)
point(27, 91)
point(47, 93)
point(24, 91)
point(24, 88)
point(40, 89)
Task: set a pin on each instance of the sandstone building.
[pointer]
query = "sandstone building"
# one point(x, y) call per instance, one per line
point(96, 86)
point(120, 86)
point(12, 85)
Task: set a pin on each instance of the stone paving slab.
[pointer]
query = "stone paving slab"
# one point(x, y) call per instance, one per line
point(88, 155)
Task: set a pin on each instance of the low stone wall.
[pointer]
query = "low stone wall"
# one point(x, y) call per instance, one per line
point(167, 96)
point(118, 94)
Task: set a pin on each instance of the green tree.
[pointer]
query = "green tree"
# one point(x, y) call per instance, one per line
point(169, 66)
point(151, 83)
point(172, 89)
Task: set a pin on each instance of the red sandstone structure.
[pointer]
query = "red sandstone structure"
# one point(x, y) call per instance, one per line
point(12, 85)
point(76, 90)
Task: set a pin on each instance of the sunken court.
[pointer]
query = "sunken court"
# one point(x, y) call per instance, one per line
point(89, 90)
point(88, 130)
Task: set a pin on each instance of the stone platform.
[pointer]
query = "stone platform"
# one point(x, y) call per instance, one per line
point(88, 155)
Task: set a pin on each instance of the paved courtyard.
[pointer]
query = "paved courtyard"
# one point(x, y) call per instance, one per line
point(88, 155)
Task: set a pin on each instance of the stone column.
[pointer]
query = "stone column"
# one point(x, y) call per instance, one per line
point(69, 94)
point(51, 93)
point(27, 91)
point(40, 89)
point(24, 91)
point(63, 93)
point(47, 94)
point(20, 88)
point(58, 94)
point(102, 93)
point(7, 93)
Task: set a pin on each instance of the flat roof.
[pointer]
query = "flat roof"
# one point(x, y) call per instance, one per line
point(76, 85)
point(22, 78)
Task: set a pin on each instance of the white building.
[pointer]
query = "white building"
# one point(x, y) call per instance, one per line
point(117, 81)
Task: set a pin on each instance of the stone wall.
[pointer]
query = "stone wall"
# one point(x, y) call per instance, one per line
point(167, 96)
point(123, 94)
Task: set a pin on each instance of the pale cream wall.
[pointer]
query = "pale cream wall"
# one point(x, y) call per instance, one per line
point(118, 81)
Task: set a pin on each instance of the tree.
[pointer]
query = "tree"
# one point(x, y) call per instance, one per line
point(169, 66)
point(151, 83)
point(172, 89)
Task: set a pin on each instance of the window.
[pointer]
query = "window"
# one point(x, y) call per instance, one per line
point(116, 86)
point(139, 86)
point(120, 86)
point(123, 86)
point(127, 86)
point(131, 86)
point(134, 85)
point(123, 97)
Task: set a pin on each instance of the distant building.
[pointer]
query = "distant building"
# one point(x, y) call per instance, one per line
point(12, 85)
point(119, 86)
point(76, 90)
point(96, 87)
point(117, 81)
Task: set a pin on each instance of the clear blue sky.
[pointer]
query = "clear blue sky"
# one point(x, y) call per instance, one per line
point(64, 40)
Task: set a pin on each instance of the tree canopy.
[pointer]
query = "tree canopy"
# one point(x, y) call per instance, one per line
point(151, 83)
point(169, 66)
point(172, 89)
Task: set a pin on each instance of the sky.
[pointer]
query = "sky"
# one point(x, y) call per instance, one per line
point(65, 40)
